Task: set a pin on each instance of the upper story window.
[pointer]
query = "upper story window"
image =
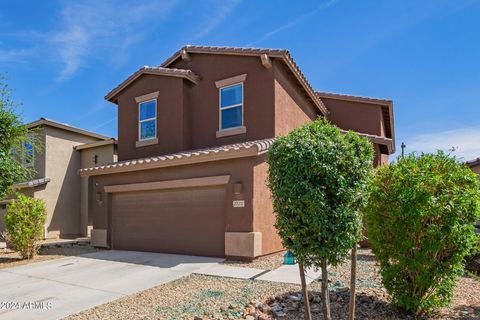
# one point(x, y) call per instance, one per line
point(231, 106)
point(147, 120)
point(28, 153)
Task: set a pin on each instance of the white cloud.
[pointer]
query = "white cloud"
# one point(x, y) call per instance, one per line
point(97, 29)
point(14, 55)
point(224, 9)
point(466, 142)
point(293, 22)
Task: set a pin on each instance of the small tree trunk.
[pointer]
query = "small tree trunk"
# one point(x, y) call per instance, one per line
point(325, 293)
point(353, 279)
point(308, 313)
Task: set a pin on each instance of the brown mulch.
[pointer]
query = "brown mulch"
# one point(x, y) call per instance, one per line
point(205, 297)
point(9, 258)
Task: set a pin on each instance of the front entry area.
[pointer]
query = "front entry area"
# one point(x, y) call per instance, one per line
point(182, 221)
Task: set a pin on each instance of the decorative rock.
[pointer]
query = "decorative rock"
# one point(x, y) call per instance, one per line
point(276, 307)
point(295, 298)
point(264, 308)
point(315, 308)
point(250, 310)
point(249, 317)
point(279, 313)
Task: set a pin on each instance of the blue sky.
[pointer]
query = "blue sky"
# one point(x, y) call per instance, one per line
point(62, 57)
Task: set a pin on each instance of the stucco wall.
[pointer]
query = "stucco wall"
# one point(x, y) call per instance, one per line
point(360, 117)
point(476, 169)
point(62, 194)
point(169, 117)
point(203, 97)
point(105, 154)
point(263, 215)
point(291, 108)
point(240, 171)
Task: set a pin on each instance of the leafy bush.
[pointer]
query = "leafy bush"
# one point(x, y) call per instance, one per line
point(419, 222)
point(13, 135)
point(317, 176)
point(24, 221)
point(472, 262)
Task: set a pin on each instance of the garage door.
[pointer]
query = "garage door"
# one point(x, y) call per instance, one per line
point(183, 221)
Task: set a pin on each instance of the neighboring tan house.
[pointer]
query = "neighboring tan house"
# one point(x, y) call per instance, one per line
point(64, 151)
point(192, 142)
point(475, 166)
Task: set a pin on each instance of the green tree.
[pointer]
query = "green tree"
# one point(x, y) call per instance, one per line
point(419, 223)
point(318, 176)
point(24, 221)
point(13, 135)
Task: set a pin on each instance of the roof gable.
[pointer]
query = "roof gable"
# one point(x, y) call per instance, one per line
point(169, 72)
point(280, 54)
point(66, 127)
point(385, 104)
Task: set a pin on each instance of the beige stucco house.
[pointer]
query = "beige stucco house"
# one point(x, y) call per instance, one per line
point(65, 150)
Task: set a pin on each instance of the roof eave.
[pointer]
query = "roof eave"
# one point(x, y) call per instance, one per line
point(473, 163)
point(381, 102)
point(150, 164)
point(273, 53)
point(96, 144)
point(51, 123)
point(112, 96)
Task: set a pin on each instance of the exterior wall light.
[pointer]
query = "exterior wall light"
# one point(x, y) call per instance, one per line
point(238, 188)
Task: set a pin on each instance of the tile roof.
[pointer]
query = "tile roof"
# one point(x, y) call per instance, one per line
point(282, 54)
point(172, 72)
point(387, 142)
point(472, 162)
point(237, 150)
point(64, 126)
point(387, 109)
point(250, 148)
point(32, 183)
point(323, 94)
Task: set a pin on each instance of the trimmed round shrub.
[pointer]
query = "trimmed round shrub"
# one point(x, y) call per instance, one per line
point(318, 176)
point(419, 222)
point(24, 221)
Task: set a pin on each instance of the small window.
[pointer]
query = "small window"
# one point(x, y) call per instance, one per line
point(147, 120)
point(28, 153)
point(231, 106)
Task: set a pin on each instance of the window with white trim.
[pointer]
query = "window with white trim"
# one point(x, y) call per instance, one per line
point(231, 106)
point(147, 120)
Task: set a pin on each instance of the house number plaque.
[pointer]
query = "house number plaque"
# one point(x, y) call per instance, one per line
point(238, 203)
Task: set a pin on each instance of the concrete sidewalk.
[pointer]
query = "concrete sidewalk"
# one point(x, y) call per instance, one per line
point(283, 274)
point(290, 274)
point(57, 288)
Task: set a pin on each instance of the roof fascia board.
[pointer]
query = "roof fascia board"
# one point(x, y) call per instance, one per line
point(280, 54)
point(46, 122)
point(96, 144)
point(111, 96)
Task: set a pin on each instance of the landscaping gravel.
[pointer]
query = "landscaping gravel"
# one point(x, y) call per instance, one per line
point(269, 262)
point(205, 297)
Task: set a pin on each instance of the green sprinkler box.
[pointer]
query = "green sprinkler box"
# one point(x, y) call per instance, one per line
point(288, 258)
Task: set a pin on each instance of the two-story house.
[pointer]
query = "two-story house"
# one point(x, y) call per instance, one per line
point(63, 151)
point(193, 137)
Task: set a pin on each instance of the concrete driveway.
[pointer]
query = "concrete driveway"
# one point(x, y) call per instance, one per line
point(57, 288)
